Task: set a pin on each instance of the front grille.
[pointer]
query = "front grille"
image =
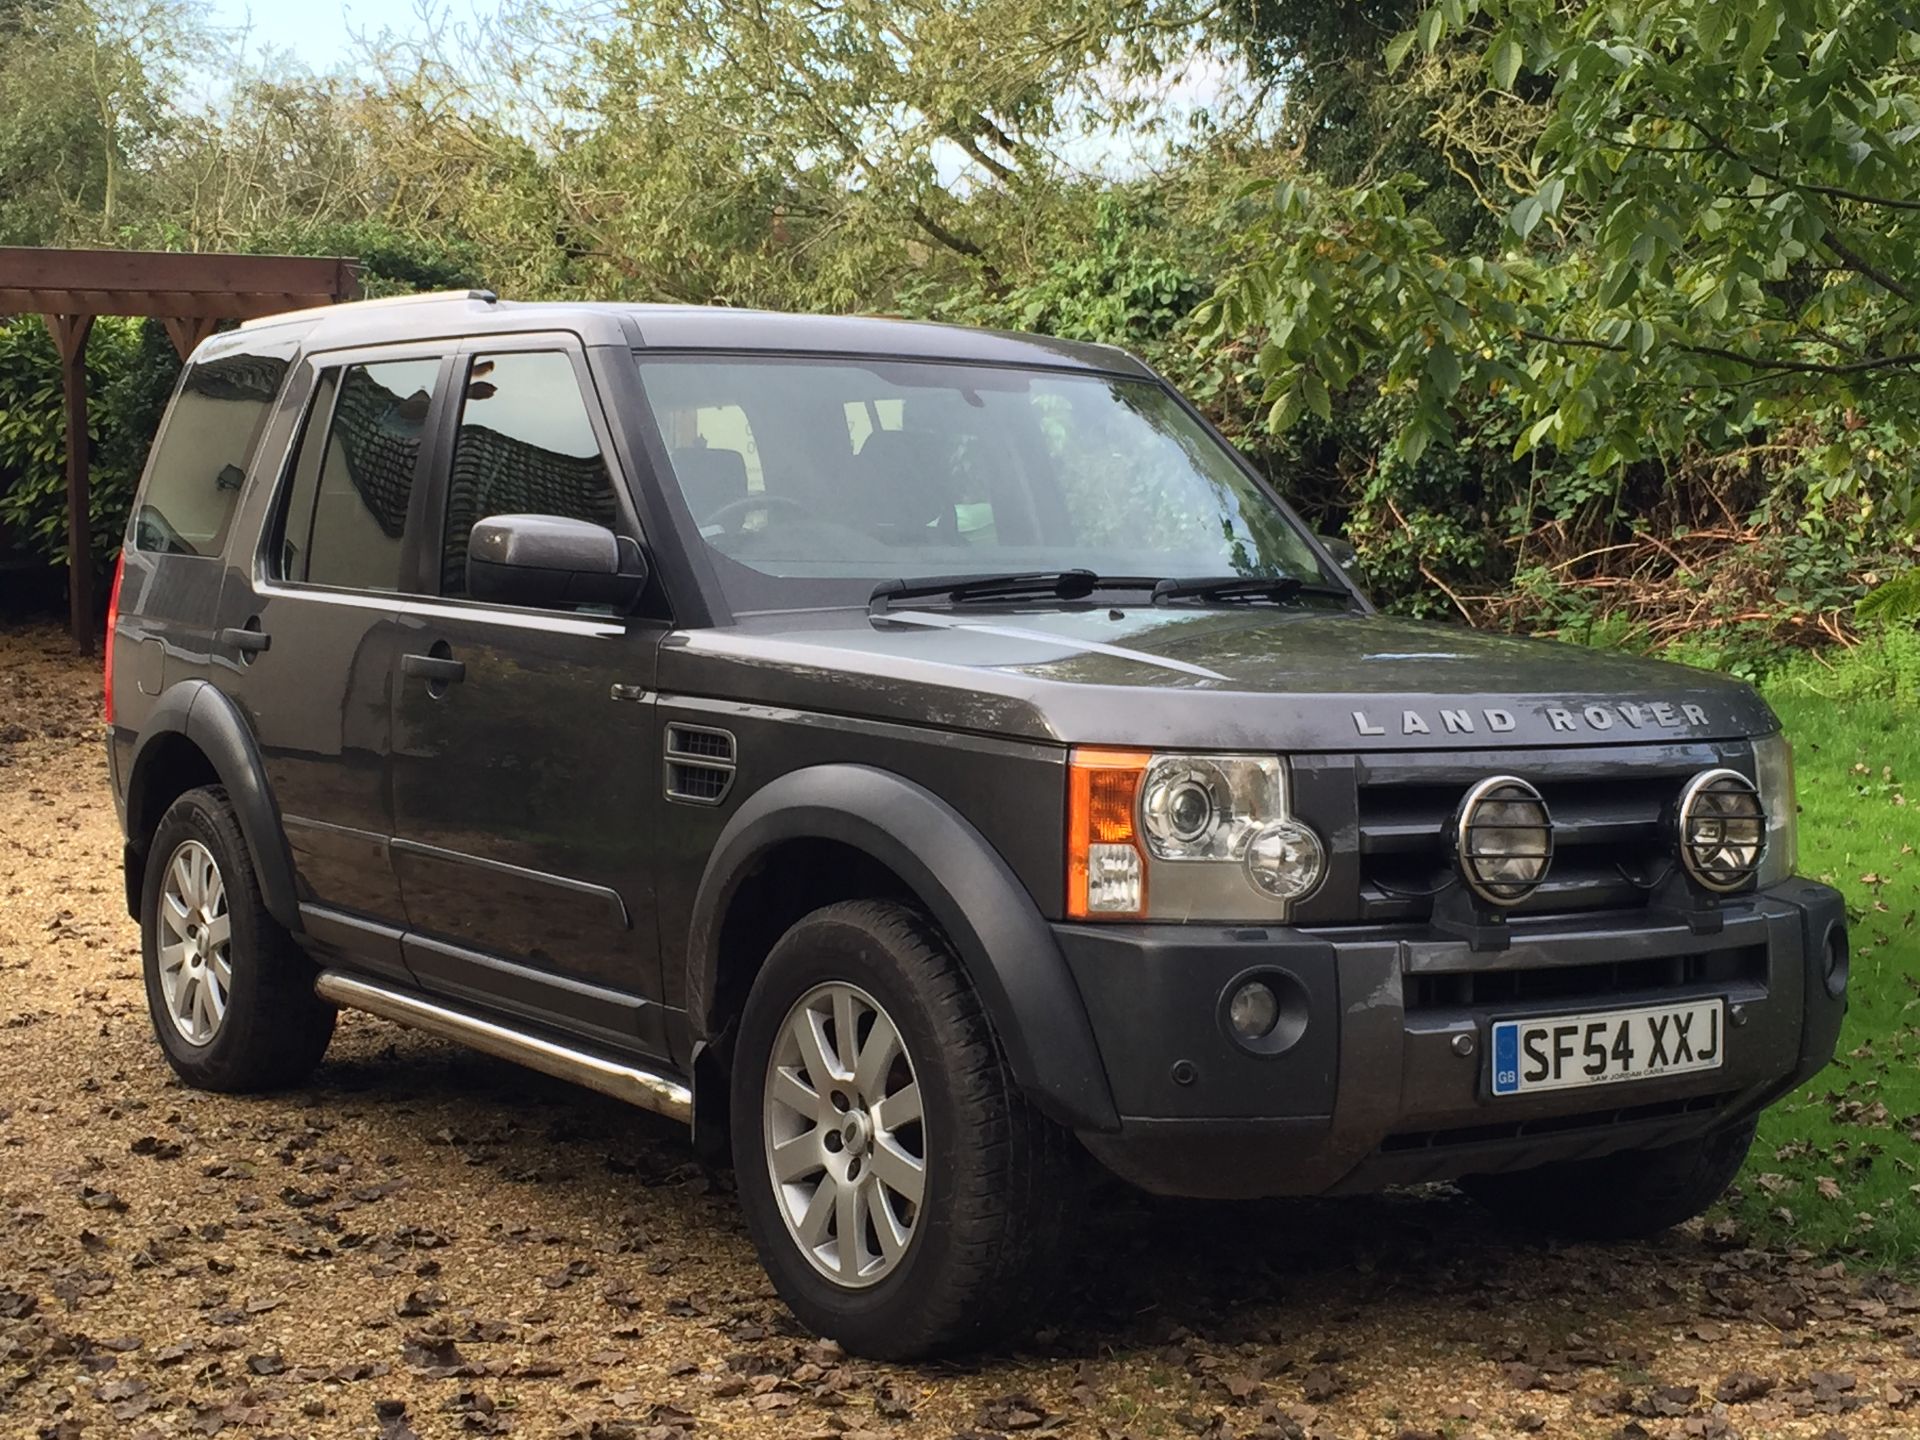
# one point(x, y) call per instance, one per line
point(1494, 988)
point(1610, 809)
point(1550, 1125)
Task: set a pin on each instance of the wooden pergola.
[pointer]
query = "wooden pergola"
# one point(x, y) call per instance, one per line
point(189, 294)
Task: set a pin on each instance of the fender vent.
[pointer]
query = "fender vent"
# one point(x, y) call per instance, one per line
point(700, 764)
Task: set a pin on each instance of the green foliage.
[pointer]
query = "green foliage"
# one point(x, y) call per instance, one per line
point(1709, 249)
point(1883, 669)
point(1833, 1170)
point(1897, 600)
point(1707, 237)
point(1126, 283)
point(1567, 320)
point(130, 370)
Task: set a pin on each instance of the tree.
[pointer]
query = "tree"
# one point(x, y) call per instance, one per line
point(83, 93)
point(1716, 230)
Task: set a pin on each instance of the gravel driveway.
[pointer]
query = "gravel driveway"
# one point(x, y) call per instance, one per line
point(428, 1242)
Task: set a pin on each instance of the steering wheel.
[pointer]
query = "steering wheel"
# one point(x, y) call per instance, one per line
point(748, 505)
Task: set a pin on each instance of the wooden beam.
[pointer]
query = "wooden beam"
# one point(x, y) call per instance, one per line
point(70, 339)
point(187, 333)
point(159, 304)
point(35, 268)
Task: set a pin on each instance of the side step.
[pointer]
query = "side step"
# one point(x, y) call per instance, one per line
point(623, 1081)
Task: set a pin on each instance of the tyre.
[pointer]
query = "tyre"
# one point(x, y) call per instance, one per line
point(230, 993)
point(1627, 1196)
point(904, 1197)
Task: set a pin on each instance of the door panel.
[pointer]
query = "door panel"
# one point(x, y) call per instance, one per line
point(524, 741)
point(308, 631)
point(520, 806)
point(318, 701)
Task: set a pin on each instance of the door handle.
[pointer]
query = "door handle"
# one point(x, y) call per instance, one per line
point(250, 642)
point(434, 669)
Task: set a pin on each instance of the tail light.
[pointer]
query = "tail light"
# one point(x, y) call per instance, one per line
point(113, 620)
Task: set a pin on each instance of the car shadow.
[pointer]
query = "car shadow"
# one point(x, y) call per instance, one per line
point(1142, 1271)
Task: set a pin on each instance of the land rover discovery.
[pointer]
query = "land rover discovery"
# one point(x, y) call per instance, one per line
point(919, 759)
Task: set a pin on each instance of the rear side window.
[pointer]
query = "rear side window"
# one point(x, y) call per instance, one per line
point(352, 475)
point(205, 447)
point(525, 447)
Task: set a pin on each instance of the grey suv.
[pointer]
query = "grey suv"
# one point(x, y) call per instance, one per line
point(918, 759)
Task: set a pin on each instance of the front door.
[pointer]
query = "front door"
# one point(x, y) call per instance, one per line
point(525, 750)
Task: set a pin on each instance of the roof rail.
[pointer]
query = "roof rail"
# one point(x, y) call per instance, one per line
point(425, 297)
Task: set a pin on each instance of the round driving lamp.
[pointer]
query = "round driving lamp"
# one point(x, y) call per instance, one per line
point(1723, 829)
point(1503, 840)
point(1285, 860)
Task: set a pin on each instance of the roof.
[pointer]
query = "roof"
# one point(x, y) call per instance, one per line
point(681, 327)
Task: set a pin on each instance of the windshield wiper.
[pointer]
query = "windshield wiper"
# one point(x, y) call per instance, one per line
point(1034, 584)
point(1245, 587)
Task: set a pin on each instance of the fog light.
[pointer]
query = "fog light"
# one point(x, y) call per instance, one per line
point(1837, 962)
point(1253, 1011)
point(1285, 860)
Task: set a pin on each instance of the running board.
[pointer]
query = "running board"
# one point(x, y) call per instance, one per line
point(644, 1088)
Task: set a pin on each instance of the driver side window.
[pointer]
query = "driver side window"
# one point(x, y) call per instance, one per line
point(525, 447)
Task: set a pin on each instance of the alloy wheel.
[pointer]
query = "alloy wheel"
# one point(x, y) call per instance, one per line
point(196, 966)
point(844, 1135)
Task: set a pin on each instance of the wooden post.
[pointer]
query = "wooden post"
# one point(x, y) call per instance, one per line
point(187, 333)
point(70, 339)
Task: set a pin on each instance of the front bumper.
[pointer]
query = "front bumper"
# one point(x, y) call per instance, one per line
point(1386, 1082)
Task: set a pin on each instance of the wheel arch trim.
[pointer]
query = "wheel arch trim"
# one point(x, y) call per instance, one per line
point(1006, 948)
point(200, 714)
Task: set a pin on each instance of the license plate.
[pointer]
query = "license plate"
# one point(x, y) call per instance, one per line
point(1561, 1052)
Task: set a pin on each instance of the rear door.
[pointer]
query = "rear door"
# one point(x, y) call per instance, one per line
point(309, 631)
point(525, 749)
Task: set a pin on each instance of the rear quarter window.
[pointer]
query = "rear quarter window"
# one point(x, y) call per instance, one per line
point(206, 445)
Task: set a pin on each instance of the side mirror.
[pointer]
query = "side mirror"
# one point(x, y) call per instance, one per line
point(1343, 553)
point(553, 562)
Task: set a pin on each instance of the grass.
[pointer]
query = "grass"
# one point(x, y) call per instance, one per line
point(1837, 1166)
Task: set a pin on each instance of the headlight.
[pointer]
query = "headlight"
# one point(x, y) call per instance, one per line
point(1185, 837)
point(1773, 768)
point(1202, 807)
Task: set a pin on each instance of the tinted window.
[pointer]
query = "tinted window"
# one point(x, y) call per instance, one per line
point(352, 475)
point(525, 447)
point(878, 470)
point(204, 449)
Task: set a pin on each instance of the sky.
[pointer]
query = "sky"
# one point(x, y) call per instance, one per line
point(318, 33)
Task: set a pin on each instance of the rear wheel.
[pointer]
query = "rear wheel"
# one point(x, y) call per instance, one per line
point(903, 1196)
point(1627, 1196)
point(230, 993)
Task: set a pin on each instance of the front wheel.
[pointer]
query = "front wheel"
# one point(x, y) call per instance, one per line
point(1628, 1196)
point(903, 1196)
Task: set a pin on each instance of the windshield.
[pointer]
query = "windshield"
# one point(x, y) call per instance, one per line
point(811, 480)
